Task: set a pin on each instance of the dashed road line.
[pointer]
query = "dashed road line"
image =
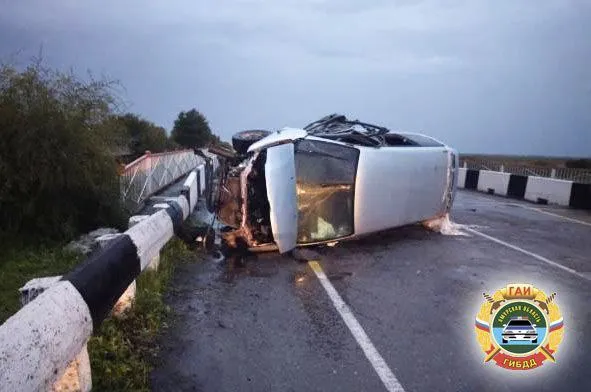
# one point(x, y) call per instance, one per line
point(527, 252)
point(380, 366)
point(552, 214)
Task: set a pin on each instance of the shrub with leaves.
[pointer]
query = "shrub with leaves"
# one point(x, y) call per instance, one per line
point(56, 136)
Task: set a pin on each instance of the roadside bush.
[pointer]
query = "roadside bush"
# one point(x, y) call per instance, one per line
point(56, 136)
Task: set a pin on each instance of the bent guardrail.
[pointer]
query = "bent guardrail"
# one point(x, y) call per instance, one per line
point(42, 339)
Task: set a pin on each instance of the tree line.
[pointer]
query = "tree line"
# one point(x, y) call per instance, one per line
point(191, 130)
point(60, 137)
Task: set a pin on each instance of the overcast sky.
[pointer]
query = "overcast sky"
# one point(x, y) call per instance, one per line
point(484, 76)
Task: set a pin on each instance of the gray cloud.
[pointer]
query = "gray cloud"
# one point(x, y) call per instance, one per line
point(484, 76)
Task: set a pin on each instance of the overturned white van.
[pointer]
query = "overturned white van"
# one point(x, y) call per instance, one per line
point(333, 180)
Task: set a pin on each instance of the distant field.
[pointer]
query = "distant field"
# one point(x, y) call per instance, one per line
point(529, 161)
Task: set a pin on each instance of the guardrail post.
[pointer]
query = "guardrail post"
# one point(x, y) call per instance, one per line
point(553, 173)
point(502, 169)
point(465, 164)
point(77, 375)
point(155, 262)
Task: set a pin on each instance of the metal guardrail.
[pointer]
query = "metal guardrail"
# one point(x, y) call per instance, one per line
point(582, 176)
point(150, 173)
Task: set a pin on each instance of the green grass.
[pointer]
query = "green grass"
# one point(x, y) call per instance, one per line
point(123, 352)
point(20, 264)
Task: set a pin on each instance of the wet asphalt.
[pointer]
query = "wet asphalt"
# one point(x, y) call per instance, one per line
point(268, 324)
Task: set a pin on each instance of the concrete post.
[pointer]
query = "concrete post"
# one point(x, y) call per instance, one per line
point(77, 376)
point(125, 302)
point(553, 173)
point(465, 164)
point(502, 168)
point(155, 262)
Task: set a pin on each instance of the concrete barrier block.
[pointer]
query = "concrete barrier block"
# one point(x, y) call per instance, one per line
point(201, 169)
point(150, 235)
point(553, 190)
point(461, 177)
point(497, 181)
point(51, 330)
point(155, 262)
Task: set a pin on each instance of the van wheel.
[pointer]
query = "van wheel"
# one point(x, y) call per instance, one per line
point(535, 341)
point(242, 140)
point(505, 341)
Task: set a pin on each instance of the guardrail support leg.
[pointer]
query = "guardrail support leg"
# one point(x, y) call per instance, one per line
point(77, 376)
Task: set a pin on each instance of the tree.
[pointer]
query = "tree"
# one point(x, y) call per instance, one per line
point(144, 135)
point(191, 130)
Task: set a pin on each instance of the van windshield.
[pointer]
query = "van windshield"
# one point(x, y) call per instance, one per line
point(325, 176)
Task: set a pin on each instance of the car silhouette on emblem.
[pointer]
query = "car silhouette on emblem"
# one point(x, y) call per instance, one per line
point(519, 329)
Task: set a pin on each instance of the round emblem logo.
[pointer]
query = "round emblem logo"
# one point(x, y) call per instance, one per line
point(519, 327)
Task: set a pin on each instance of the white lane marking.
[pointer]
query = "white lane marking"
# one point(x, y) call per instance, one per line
point(388, 378)
point(552, 214)
point(527, 252)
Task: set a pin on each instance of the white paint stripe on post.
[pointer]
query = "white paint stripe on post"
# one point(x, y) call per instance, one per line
point(38, 342)
point(150, 235)
point(191, 182)
point(497, 181)
point(461, 177)
point(551, 189)
point(201, 169)
point(380, 366)
point(527, 252)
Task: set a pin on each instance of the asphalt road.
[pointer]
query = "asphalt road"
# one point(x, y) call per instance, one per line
point(271, 326)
